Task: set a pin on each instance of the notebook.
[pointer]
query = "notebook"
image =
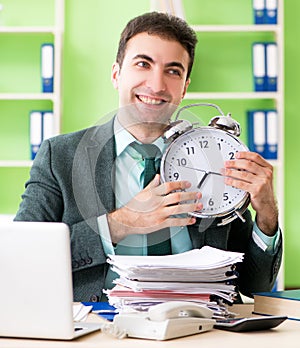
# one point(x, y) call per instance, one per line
point(36, 295)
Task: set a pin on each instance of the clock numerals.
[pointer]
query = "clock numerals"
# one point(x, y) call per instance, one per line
point(231, 155)
point(225, 196)
point(211, 203)
point(181, 162)
point(190, 150)
point(176, 175)
point(203, 144)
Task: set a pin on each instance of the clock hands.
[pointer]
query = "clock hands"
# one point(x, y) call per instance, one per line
point(206, 173)
point(202, 180)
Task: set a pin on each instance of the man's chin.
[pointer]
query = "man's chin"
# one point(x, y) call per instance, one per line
point(156, 113)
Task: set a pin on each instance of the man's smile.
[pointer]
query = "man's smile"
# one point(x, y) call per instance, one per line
point(150, 100)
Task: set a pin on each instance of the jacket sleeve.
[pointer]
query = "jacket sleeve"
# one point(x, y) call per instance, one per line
point(259, 270)
point(49, 197)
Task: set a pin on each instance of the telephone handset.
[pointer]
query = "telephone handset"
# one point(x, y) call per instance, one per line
point(178, 309)
point(166, 320)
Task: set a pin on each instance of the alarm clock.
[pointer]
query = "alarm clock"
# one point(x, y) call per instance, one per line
point(197, 154)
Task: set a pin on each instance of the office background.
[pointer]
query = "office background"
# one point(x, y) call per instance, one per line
point(92, 29)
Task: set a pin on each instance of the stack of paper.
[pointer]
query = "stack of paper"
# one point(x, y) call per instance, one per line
point(203, 275)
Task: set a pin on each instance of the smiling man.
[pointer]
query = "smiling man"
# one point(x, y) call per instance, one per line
point(96, 180)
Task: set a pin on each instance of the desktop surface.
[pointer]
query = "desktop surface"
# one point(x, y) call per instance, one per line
point(287, 334)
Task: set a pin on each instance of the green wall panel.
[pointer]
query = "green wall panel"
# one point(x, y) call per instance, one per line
point(92, 31)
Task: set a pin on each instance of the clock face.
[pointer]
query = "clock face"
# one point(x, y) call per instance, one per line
point(198, 156)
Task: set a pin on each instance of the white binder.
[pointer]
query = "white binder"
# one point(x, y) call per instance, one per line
point(48, 125)
point(272, 66)
point(35, 132)
point(47, 67)
point(259, 66)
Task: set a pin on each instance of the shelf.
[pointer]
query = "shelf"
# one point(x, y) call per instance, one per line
point(27, 30)
point(16, 163)
point(236, 28)
point(231, 95)
point(27, 96)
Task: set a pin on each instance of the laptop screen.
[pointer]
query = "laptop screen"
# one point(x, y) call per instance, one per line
point(36, 295)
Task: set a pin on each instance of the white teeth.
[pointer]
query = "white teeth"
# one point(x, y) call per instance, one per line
point(148, 100)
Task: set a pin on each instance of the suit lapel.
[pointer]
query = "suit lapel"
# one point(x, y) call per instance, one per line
point(93, 176)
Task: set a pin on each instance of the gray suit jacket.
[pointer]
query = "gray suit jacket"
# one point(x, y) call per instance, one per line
point(72, 181)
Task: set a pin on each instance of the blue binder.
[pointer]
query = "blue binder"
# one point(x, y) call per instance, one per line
point(36, 124)
point(263, 132)
point(48, 124)
point(259, 11)
point(271, 134)
point(47, 67)
point(271, 9)
point(256, 127)
point(259, 66)
point(103, 309)
point(271, 66)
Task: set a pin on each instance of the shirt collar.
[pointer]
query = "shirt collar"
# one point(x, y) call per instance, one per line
point(123, 138)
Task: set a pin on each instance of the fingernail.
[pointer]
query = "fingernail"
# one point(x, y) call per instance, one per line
point(199, 206)
point(198, 195)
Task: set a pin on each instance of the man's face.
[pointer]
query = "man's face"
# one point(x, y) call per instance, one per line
point(152, 79)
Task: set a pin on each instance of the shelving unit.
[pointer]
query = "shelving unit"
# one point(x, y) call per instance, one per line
point(276, 31)
point(55, 33)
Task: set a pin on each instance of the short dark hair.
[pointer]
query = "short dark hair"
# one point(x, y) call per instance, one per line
point(163, 25)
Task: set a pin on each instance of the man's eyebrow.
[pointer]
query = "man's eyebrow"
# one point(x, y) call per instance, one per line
point(175, 64)
point(143, 56)
point(168, 65)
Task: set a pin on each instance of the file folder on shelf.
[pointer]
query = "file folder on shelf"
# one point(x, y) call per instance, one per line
point(35, 132)
point(271, 11)
point(265, 66)
point(47, 67)
point(48, 125)
point(259, 66)
point(41, 128)
point(259, 11)
point(256, 131)
point(272, 134)
point(271, 66)
point(263, 132)
point(265, 11)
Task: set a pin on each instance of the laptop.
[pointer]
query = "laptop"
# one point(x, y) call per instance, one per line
point(36, 294)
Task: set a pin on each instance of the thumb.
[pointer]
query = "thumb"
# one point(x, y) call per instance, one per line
point(155, 182)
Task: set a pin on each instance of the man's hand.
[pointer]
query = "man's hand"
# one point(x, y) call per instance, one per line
point(153, 208)
point(251, 172)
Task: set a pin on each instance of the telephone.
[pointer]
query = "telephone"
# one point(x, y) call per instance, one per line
point(166, 320)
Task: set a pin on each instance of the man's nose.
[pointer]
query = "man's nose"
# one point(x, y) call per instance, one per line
point(157, 81)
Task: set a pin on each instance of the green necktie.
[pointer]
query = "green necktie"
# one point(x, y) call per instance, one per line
point(158, 243)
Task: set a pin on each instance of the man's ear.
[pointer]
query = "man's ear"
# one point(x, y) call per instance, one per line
point(115, 75)
point(187, 82)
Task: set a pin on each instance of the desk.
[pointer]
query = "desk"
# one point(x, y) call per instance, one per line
point(286, 335)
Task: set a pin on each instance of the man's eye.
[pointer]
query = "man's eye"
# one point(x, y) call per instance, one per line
point(143, 64)
point(174, 72)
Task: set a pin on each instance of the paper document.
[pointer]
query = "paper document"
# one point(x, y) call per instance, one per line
point(205, 276)
point(204, 258)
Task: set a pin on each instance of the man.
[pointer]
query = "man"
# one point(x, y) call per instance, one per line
point(93, 179)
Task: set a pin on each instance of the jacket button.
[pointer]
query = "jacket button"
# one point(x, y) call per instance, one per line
point(94, 298)
point(82, 262)
point(75, 264)
point(88, 260)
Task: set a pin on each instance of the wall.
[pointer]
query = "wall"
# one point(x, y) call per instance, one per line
point(91, 36)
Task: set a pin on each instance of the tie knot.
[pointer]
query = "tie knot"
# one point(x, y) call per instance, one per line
point(146, 150)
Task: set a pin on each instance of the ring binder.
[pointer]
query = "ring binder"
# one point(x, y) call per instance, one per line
point(47, 67)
